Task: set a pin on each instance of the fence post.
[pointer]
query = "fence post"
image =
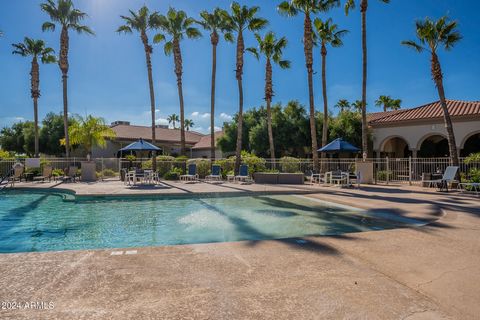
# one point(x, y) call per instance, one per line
point(410, 170)
point(388, 169)
point(102, 169)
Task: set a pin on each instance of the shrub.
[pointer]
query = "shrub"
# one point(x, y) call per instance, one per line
point(35, 171)
point(226, 165)
point(173, 174)
point(473, 157)
point(383, 174)
point(109, 173)
point(290, 164)
point(5, 155)
point(164, 164)
point(58, 173)
point(181, 158)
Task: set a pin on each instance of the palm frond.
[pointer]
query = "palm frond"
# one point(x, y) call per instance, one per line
point(412, 44)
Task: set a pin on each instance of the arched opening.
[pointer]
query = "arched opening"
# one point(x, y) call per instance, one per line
point(471, 145)
point(435, 146)
point(395, 147)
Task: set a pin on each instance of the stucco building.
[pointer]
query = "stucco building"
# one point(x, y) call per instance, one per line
point(197, 144)
point(420, 131)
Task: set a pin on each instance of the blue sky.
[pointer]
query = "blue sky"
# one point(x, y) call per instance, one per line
point(108, 74)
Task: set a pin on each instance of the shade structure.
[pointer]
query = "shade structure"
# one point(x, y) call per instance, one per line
point(339, 145)
point(140, 145)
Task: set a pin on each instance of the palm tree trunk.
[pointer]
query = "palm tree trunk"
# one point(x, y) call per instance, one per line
point(268, 99)
point(214, 40)
point(35, 92)
point(63, 63)
point(148, 52)
point(438, 78)
point(177, 55)
point(325, 101)
point(239, 72)
point(308, 45)
point(363, 9)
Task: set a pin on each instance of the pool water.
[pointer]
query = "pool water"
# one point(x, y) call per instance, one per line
point(31, 221)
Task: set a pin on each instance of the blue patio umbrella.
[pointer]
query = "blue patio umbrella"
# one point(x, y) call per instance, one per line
point(339, 145)
point(140, 145)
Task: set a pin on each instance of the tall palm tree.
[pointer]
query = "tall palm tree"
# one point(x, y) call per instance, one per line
point(89, 132)
point(240, 19)
point(308, 8)
point(433, 35)
point(35, 49)
point(142, 22)
point(272, 49)
point(176, 25)
point(64, 14)
point(215, 23)
point(349, 5)
point(173, 119)
point(343, 105)
point(328, 34)
point(189, 124)
point(388, 103)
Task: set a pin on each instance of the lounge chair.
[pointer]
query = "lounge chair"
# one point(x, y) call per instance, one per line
point(469, 186)
point(448, 177)
point(46, 174)
point(243, 175)
point(191, 174)
point(71, 174)
point(317, 177)
point(216, 174)
point(18, 170)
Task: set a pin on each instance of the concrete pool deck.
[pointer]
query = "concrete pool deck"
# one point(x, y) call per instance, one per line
point(429, 272)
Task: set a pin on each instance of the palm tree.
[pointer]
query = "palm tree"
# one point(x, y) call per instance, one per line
point(173, 119)
point(349, 5)
point(343, 105)
point(216, 23)
point(388, 103)
point(358, 106)
point(68, 18)
point(35, 49)
point(176, 25)
point(308, 8)
point(239, 20)
point(89, 132)
point(271, 48)
point(433, 35)
point(189, 124)
point(328, 34)
point(141, 22)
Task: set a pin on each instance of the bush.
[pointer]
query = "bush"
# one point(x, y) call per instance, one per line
point(290, 164)
point(5, 155)
point(35, 171)
point(164, 164)
point(109, 173)
point(473, 157)
point(383, 174)
point(226, 165)
point(173, 174)
point(203, 166)
point(58, 173)
point(255, 164)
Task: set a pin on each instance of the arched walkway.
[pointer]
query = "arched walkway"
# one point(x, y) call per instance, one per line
point(434, 146)
point(471, 144)
point(395, 147)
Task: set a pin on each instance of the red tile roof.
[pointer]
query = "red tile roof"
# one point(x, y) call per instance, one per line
point(204, 142)
point(429, 111)
point(131, 132)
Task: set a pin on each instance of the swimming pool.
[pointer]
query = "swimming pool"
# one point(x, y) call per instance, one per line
point(31, 221)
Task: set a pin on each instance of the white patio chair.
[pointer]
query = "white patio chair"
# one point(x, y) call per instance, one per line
point(448, 177)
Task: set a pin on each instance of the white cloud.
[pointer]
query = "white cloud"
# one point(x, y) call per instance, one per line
point(225, 116)
point(215, 129)
point(161, 121)
point(197, 114)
